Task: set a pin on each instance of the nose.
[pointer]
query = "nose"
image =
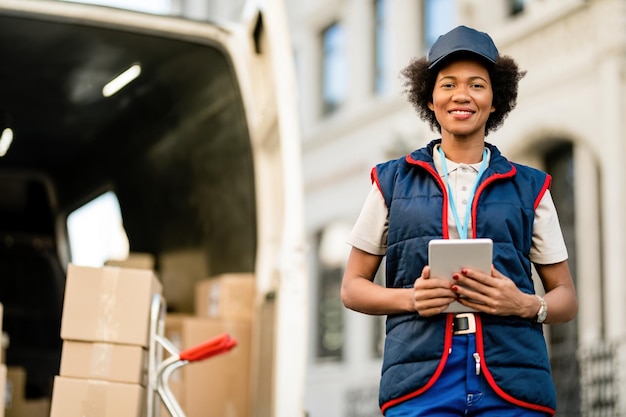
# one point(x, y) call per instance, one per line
point(461, 93)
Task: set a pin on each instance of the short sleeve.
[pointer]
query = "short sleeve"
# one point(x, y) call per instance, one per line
point(548, 245)
point(369, 232)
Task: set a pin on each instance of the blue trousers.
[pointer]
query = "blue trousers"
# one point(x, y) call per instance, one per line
point(460, 391)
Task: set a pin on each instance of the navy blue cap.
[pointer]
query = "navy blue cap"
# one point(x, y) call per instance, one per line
point(462, 39)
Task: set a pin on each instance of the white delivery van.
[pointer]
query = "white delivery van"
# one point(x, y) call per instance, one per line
point(199, 145)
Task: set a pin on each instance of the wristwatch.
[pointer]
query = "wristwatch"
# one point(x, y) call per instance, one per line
point(543, 310)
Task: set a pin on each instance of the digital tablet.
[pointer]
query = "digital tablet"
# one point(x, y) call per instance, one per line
point(449, 256)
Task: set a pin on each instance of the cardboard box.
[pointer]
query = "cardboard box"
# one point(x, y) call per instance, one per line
point(108, 304)
point(4, 345)
point(106, 361)
point(221, 383)
point(15, 390)
point(16, 403)
point(227, 296)
point(96, 398)
point(39, 407)
point(179, 271)
point(134, 260)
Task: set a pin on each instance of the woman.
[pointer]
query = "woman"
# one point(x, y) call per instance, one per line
point(494, 361)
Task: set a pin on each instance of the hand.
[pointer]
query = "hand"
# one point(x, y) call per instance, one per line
point(493, 294)
point(432, 296)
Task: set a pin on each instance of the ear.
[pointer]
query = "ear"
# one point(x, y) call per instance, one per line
point(432, 106)
point(492, 109)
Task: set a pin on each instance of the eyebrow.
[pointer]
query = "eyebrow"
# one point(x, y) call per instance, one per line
point(471, 78)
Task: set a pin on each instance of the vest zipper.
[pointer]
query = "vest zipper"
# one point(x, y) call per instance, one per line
point(477, 359)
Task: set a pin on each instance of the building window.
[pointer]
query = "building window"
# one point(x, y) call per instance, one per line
point(439, 17)
point(334, 68)
point(330, 315)
point(563, 338)
point(332, 255)
point(381, 46)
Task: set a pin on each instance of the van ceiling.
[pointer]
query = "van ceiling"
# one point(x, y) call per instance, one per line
point(173, 144)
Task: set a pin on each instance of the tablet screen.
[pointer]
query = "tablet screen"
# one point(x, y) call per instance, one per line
point(449, 256)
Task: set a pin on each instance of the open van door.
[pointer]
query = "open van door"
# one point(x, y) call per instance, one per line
point(200, 147)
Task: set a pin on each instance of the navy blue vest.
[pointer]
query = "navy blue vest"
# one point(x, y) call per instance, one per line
point(515, 360)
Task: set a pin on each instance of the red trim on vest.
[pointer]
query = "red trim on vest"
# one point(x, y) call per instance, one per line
point(546, 187)
point(444, 212)
point(447, 345)
point(479, 191)
point(374, 178)
point(485, 369)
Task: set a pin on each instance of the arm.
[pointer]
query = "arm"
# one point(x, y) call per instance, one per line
point(500, 296)
point(360, 293)
point(560, 292)
point(428, 296)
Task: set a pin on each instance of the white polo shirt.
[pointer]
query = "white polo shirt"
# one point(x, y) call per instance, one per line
point(370, 230)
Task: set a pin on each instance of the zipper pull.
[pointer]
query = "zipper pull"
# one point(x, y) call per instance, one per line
point(477, 359)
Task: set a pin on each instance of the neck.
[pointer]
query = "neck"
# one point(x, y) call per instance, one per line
point(463, 152)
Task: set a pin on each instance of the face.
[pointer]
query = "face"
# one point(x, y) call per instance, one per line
point(462, 99)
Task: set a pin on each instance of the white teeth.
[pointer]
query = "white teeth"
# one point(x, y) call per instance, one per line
point(460, 112)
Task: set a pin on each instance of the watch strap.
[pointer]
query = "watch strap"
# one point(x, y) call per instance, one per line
point(542, 313)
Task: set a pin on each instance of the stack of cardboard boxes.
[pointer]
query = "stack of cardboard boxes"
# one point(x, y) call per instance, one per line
point(221, 385)
point(105, 330)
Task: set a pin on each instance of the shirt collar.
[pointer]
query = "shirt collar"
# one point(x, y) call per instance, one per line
point(453, 166)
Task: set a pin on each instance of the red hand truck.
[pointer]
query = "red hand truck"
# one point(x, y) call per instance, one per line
point(160, 369)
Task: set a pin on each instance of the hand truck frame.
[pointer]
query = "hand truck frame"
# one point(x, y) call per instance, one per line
point(160, 369)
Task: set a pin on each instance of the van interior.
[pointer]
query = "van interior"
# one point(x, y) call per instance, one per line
point(172, 147)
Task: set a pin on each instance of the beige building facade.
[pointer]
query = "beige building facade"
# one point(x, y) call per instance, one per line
point(570, 121)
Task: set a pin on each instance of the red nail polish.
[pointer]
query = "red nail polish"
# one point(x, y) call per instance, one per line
point(455, 276)
point(454, 288)
point(464, 271)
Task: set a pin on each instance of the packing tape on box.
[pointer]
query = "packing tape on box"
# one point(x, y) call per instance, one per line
point(94, 404)
point(101, 360)
point(108, 324)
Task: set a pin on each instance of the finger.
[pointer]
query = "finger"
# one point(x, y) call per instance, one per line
point(465, 293)
point(425, 295)
point(469, 276)
point(433, 306)
point(431, 283)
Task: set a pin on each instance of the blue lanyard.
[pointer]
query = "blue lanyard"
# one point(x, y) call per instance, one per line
point(462, 227)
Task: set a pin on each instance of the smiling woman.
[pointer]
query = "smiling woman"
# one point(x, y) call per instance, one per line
point(459, 186)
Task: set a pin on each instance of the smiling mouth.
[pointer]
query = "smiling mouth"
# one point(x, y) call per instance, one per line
point(461, 112)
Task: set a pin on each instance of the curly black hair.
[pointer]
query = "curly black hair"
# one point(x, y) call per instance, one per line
point(419, 83)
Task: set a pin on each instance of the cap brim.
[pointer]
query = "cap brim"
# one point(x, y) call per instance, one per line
point(443, 58)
